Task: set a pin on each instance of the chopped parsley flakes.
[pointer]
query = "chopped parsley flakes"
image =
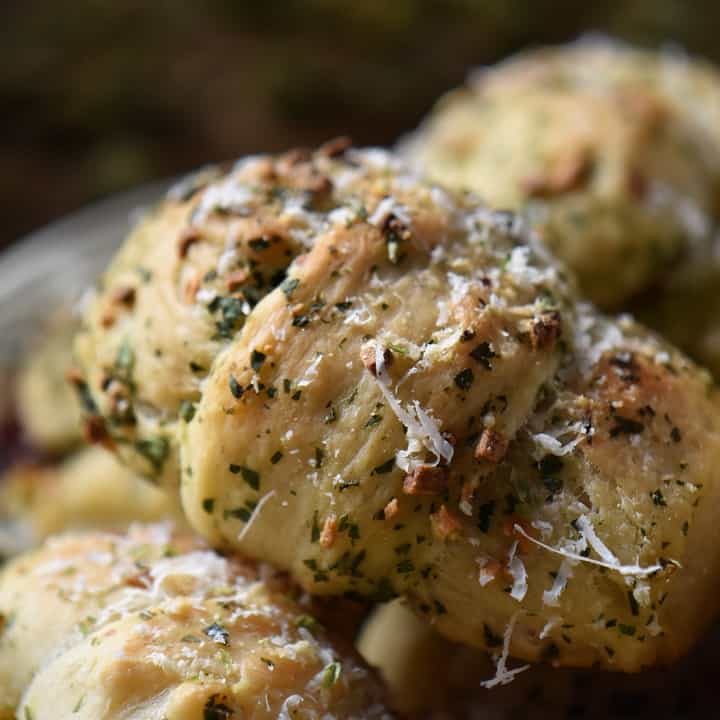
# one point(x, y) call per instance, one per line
point(251, 477)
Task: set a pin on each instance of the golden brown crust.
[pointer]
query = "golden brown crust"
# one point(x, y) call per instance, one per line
point(153, 623)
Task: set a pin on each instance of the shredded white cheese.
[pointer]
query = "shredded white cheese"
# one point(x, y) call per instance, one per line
point(343, 216)
point(386, 207)
point(261, 503)
point(545, 528)
point(552, 596)
point(549, 626)
point(549, 441)
point(231, 195)
point(654, 627)
point(288, 707)
point(517, 571)
point(205, 295)
point(205, 567)
point(640, 591)
point(422, 430)
point(486, 576)
point(634, 570)
point(311, 373)
point(523, 272)
point(466, 507)
point(377, 158)
point(594, 336)
point(588, 532)
point(503, 676)
point(227, 259)
point(435, 441)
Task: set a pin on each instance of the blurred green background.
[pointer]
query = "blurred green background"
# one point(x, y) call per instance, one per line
point(99, 95)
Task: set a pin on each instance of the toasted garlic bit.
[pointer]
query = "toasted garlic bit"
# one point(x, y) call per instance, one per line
point(445, 524)
point(426, 480)
point(123, 295)
point(188, 237)
point(335, 147)
point(329, 532)
point(545, 330)
point(391, 509)
point(492, 446)
point(368, 356)
point(570, 172)
point(95, 432)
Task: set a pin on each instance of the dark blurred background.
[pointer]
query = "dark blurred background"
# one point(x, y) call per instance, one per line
point(99, 95)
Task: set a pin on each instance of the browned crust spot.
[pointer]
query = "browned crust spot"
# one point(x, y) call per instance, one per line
point(192, 285)
point(329, 532)
point(545, 331)
point(123, 295)
point(74, 376)
point(391, 509)
point(570, 172)
point(188, 237)
point(107, 319)
point(297, 165)
point(368, 357)
point(426, 480)
point(336, 147)
point(492, 446)
point(237, 279)
point(95, 432)
point(445, 523)
point(467, 492)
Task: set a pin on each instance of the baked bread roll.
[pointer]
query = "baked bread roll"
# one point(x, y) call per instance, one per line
point(424, 672)
point(47, 406)
point(687, 311)
point(421, 407)
point(430, 678)
point(154, 625)
point(88, 490)
point(614, 154)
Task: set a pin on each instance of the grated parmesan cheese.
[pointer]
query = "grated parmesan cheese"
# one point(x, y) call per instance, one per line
point(422, 430)
point(287, 711)
point(525, 274)
point(486, 576)
point(549, 441)
point(386, 207)
point(633, 570)
point(343, 216)
point(594, 336)
point(588, 532)
point(205, 295)
point(503, 676)
point(545, 528)
point(549, 626)
point(311, 373)
point(227, 259)
point(552, 596)
point(205, 567)
point(517, 570)
point(230, 195)
point(261, 503)
point(654, 627)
